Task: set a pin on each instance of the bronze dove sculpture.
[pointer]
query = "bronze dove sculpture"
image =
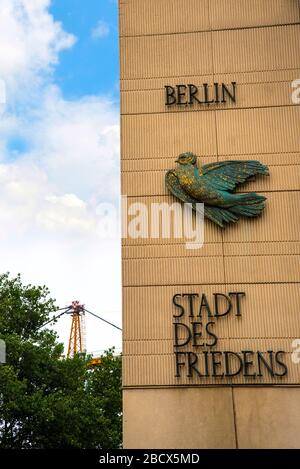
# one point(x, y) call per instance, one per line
point(213, 184)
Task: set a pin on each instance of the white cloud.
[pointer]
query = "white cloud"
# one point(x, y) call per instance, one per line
point(2, 92)
point(67, 200)
point(50, 190)
point(101, 29)
point(72, 162)
point(78, 143)
point(30, 43)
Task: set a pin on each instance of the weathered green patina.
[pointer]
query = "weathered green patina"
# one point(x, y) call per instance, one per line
point(213, 184)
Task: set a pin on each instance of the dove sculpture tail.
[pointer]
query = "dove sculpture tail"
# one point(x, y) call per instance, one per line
point(250, 205)
point(213, 184)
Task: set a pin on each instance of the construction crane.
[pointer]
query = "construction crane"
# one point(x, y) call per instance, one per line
point(77, 340)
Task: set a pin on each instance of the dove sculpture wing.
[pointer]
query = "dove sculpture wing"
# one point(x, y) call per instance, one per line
point(213, 184)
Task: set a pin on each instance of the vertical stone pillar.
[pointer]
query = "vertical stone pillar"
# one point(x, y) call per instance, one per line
point(256, 45)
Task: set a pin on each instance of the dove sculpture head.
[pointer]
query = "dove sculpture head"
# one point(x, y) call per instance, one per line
point(187, 158)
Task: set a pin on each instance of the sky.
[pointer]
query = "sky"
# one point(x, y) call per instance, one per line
point(59, 155)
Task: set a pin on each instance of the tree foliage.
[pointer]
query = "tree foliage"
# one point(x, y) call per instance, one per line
point(46, 400)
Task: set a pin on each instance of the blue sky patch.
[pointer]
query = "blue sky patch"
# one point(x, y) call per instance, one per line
point(91, 66)
point(17, 145)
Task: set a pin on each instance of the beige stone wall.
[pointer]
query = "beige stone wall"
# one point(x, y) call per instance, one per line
point(212, 418)
point(255, 43)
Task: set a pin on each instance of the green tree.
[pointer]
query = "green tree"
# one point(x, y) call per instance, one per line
point(46, 400)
